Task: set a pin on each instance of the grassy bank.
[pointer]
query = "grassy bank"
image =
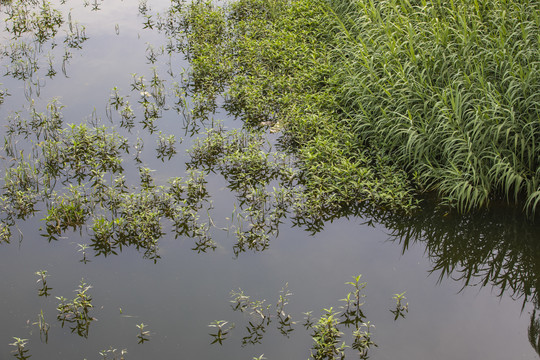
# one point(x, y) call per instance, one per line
point(381, 102)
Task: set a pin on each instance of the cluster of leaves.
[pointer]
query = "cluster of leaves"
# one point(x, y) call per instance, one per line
point(247, 162)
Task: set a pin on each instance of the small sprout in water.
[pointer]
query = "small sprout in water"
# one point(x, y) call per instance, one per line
point(222, 331)
point(20, 352)
point(43, 327)
point(44, 290)
point(260, 357)
point(401, 308)
point(308, 320)
point(112, 352)
point(143, 335)
point(77, 311)
point(82, 249)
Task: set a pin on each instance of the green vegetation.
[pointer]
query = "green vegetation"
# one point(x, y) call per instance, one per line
point(327, 331)
point(382, 101)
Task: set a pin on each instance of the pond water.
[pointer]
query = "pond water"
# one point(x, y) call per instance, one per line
point(470, 281)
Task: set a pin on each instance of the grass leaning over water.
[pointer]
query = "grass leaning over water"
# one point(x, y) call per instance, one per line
point(382, 101)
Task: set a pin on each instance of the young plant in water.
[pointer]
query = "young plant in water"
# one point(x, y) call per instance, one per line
point(222, 331)
point(43, 327)
point(111, 354)
point(362, 340)
point(44, 290)
point(326, 337)
point(21, 352)
point(401, 308)
point(77, 311)
point(143, 335)
point(82, 249)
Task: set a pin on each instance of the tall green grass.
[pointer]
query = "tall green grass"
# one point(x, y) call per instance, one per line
point(450, 89)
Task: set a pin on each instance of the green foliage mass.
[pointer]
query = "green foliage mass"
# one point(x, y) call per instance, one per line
point(381, 101)
point(272, 60)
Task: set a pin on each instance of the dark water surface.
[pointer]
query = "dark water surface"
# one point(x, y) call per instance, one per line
point(470, 281)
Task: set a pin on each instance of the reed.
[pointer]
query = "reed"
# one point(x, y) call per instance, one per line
point(449, 89)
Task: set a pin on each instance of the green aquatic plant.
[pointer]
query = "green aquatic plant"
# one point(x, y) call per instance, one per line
point(44, 290)
point(143, 335)
point(362, 340)
point(451, 109)
point(112, 354)
point(401, 307)
point(21, 352)
point(328, 332)
point(76, 312)
point(166, 147)
point(326, 337)
point(352, 310)
point(82, 249)
point(222, 331)
point(43, 327)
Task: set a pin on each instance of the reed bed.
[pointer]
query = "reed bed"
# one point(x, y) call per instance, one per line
point(449, 89)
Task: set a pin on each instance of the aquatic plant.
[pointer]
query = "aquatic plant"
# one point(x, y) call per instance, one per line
point(43, 327)
point(143, 335)
point(326, 337)
point(111, 354)
point(222, 331)
point(21, 352)
point(401, 308)
point(45, 289)
point(77, 311)
point(328, 331)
